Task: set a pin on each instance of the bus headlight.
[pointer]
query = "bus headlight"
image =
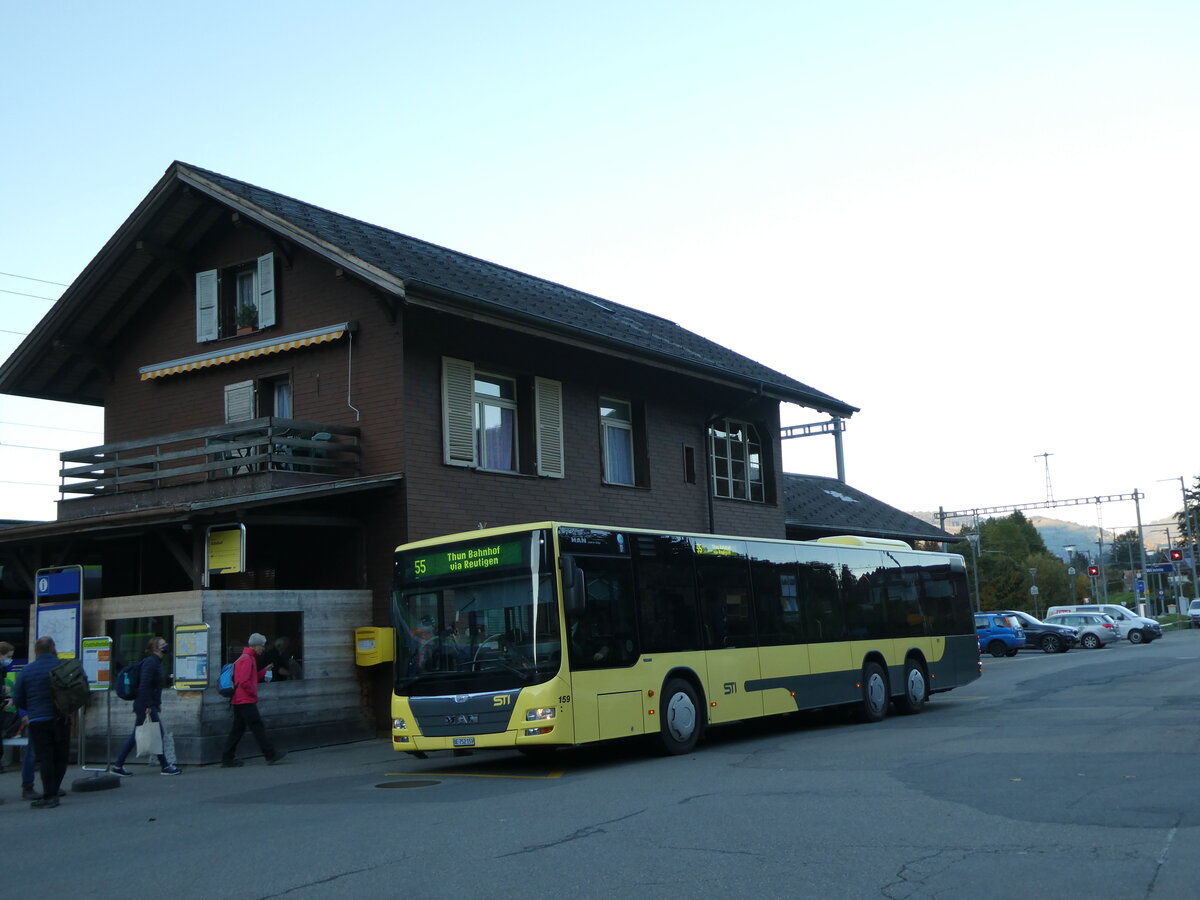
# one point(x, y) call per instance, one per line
point(538, 715)
point(399, 725)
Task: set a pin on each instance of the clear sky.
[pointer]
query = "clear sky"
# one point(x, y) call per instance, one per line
point(976, 221)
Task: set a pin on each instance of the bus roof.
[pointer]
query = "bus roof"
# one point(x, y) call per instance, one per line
point(848, 540)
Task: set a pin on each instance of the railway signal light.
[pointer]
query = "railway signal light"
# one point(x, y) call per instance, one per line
point(1093, 571)
point(1176, 555)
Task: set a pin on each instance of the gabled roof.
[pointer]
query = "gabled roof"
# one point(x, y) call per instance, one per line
point(64, 358)
point(820, 506)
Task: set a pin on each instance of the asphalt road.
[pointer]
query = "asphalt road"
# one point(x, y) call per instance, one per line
point(1072, 775)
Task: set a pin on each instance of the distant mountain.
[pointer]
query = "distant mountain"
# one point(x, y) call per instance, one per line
point(1059, 534)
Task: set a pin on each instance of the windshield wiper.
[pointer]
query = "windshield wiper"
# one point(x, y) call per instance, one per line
point(502, 664)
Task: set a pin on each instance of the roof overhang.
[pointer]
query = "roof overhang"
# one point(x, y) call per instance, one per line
point(134, 520)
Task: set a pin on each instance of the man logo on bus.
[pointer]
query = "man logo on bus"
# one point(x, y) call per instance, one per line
point(470, 719)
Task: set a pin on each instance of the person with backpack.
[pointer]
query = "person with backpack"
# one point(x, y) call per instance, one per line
point(244, 703)
point(49, 728)
point(147, 702)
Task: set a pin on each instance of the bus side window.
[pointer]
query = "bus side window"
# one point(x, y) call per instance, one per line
point(667, 590)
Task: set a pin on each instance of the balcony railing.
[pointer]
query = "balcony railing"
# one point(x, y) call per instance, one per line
point(201, 455)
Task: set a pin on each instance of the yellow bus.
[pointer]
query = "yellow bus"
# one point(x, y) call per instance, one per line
point(549, 634)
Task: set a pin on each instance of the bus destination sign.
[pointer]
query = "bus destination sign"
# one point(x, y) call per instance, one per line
point(465, 559)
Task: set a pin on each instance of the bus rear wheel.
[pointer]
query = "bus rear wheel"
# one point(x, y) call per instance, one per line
point(679, 718)
point(915, 689)
point(874, 692)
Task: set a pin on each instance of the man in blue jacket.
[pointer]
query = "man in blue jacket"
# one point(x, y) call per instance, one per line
point(49, 730)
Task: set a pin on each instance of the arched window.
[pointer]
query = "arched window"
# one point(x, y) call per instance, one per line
point(737, 461)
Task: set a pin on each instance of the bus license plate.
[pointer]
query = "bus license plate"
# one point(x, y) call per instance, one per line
point(464, 742)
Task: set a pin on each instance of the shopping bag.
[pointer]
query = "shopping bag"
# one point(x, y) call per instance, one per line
point(149, 738)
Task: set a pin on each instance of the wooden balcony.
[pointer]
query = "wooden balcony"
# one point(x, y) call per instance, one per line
point(205, 463)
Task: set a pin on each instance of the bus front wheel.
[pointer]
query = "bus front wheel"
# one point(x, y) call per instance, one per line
point(679, 717)
point(874, 692)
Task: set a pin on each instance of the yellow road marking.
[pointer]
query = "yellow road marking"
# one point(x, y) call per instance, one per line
point(557, 774)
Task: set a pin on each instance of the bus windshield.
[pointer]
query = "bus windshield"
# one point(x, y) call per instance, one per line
point(476, 616)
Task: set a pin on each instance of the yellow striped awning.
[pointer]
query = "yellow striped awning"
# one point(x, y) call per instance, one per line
point(246, 351)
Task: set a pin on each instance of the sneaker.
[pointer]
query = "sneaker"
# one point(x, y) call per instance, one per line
point(278, 757)
point(171, 770)
point(44, 803)
point(28, 793)
point(120, 770)
point(231, 763)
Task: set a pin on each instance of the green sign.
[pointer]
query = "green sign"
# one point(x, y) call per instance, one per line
point(464, 560)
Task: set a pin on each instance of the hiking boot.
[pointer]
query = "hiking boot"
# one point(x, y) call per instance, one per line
point(231, 763)
point(28, 793)
point(44, 803)
point(120, 770)
point(171, 770)
point(278, 757)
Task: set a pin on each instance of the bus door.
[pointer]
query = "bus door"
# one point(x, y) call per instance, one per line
point(602, 648)
point(783, 653)
point(728, 633)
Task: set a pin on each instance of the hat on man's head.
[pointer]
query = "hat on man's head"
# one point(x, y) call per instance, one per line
point(256, 639)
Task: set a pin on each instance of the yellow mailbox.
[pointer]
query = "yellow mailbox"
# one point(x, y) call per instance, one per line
point(373, 645)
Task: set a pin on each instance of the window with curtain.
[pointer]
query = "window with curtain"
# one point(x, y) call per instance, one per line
point(496, 422)
point(616, 431)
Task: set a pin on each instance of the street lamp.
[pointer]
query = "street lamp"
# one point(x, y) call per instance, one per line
point(1033, 591)
point(1070, 548)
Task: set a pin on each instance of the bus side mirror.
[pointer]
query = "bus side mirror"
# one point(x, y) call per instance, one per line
point(574, 594)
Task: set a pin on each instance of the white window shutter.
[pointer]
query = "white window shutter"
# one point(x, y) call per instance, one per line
point(458, 411)
point(266, 290)
point(549, 419)
point(239, 401)
point(207, 325)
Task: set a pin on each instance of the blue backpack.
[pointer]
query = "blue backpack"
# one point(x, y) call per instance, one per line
point(225, 680)
point(128, 680)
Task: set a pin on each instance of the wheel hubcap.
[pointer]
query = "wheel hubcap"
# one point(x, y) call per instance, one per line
point(875, 691)
point(916, 686)
point(681, 717)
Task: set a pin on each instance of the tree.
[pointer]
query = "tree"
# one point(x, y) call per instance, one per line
point(1007, 549)
point(1191, 501)
point(1123, 552)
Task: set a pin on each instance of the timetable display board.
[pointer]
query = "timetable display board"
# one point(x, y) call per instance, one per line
point(191, 657)
point(58, 601)
point(97, 662)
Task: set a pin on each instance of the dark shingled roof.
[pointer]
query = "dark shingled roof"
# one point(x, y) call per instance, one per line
point(427, 267)
point(816, 506)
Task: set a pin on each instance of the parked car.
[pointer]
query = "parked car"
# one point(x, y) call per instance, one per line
point(1194, 614)
point(1042, 636)
point(1138, 629)
point(999, 635)
point(1094, 630)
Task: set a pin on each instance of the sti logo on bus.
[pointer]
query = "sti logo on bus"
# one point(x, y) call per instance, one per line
point(467, 719)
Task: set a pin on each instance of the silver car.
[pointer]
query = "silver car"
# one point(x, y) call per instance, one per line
point(1094, 630)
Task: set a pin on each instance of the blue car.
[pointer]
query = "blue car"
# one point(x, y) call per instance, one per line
point(999, 635)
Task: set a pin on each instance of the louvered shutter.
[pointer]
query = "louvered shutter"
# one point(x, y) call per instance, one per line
point(549, 424)
point(266, 290)
point(239, 401)
point(207, 325)
point(458, 414)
